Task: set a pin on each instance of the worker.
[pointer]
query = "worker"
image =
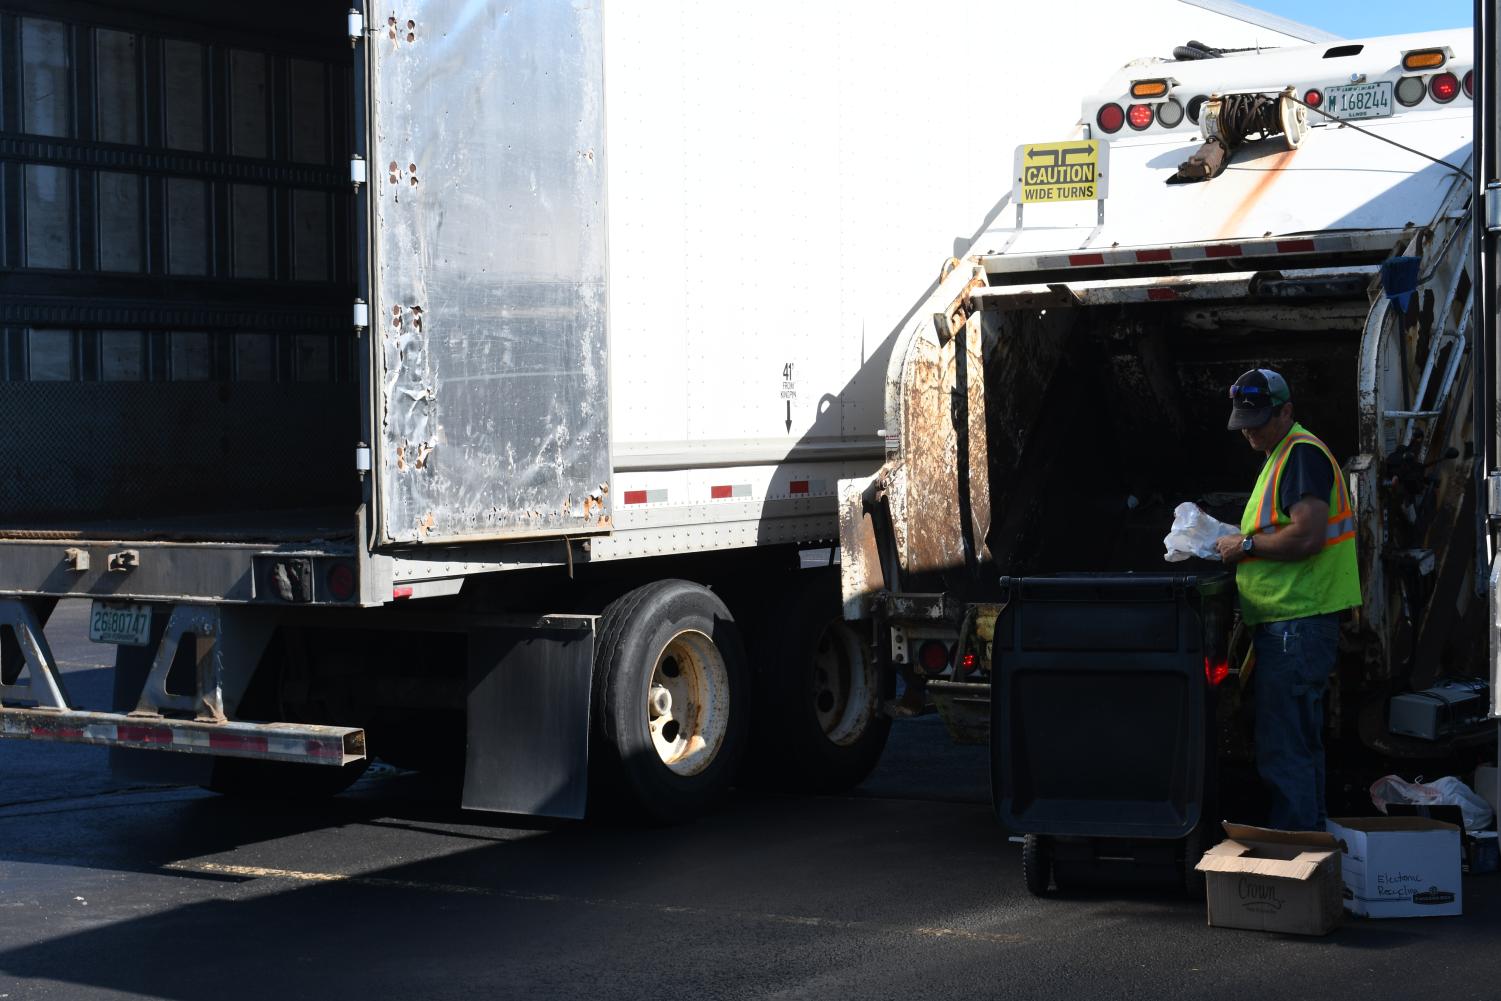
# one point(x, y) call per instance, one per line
point(1295, 572)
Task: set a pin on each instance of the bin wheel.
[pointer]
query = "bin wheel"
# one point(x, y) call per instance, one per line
point(1037, 865)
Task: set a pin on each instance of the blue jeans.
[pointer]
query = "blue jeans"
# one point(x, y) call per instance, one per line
point(1294, 659)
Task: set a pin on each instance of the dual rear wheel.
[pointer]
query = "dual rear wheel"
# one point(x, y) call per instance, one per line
point(679, 702)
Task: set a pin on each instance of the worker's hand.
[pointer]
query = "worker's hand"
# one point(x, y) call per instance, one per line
point(1229, 547)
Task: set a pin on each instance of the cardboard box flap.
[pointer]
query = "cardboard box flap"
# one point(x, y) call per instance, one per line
point(1392, 825)
point(1231, 856)
point(1270, 836)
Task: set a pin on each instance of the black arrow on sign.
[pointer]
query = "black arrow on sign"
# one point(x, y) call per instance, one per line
point(789, 416)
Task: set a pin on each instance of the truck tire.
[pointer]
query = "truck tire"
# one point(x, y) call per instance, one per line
point(818, 726)
point(1037, 865)
point(669, 715)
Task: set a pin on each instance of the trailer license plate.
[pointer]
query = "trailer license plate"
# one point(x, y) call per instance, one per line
point(1360, 100)
point(127, 625)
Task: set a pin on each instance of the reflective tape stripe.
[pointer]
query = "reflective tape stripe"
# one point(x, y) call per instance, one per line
point(1341, 519)
point(1340, 529)
point(273, 741)
point(1371, 242)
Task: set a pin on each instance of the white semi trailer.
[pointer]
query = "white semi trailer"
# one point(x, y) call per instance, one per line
point(459, 382)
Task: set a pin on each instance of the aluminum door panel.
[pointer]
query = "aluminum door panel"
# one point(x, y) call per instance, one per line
point(489, 306)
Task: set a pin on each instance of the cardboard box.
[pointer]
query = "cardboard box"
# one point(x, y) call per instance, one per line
point(1399, 867)
point(1280, 881)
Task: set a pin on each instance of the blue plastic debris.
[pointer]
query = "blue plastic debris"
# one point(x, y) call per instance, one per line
point(1399, 279)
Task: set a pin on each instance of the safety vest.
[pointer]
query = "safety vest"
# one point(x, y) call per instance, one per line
point(1329, 580)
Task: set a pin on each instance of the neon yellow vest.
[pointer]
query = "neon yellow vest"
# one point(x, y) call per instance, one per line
point(1328, 581)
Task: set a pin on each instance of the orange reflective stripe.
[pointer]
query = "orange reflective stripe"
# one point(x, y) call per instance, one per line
point(1341, 523)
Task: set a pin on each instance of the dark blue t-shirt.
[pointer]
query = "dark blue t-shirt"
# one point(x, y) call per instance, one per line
point(1308, 473)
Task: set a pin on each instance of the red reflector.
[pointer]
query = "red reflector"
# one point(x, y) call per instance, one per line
point(797, 487)
point(1140, 116)
point(1313, 98)
point(238, 742)
point(1469, 84)
point(1295, 247)
point(933, 656)
point(718, 492)
point(404, 591)
point(1162, 294)
point(57, 733)
point(341, 581)
point(1085, 260)
point(1444, 87)
point(1216, 671)
point(969, 662)
point(143, 734)
point(1223, 250)
point(1153, 256)
point(1110, 118)
point(634, 497)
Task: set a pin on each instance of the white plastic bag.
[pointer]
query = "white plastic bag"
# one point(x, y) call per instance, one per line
point(1193, 534)
point(1447, 791)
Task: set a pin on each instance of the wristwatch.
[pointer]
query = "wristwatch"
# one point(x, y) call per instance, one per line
point(1248, 545)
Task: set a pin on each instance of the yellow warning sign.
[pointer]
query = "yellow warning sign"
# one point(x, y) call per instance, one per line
point(1060, 172)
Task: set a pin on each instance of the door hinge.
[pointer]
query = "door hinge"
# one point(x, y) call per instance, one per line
point(356, 27)
point(1493, 206)
point(1493, 495)
point(361, 315)
point(362, 458)
point(357, 171)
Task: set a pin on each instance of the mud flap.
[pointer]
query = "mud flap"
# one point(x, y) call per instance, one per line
point(528, 708)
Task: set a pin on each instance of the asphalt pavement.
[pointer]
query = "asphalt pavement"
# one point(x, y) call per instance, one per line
point(905, 888)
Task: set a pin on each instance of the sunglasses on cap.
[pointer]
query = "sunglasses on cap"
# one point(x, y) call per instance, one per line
point(1250, 394)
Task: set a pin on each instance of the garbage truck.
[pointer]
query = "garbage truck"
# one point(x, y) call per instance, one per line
point(468, 385)
point(1309, 209)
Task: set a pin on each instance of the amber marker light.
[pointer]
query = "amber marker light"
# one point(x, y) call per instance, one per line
point(1424, 59)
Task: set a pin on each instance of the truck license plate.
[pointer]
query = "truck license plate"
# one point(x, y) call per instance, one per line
point(1360, 100)
point(126, 625)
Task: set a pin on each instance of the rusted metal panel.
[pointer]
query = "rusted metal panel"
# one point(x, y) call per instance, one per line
point(941, 493)
point(489, 305)
point(860, 574)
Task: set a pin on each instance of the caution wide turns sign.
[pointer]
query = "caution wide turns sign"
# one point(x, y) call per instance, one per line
point(1073, 171)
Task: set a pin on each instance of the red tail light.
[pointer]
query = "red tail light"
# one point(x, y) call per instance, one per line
point(1216, 671)
point(1140, 116)
point(1313, 98)
point(968, 663)
point(933, 656)
point(1444, 87)
point(1469, 84)
point(341, 581)
point(1110, 118)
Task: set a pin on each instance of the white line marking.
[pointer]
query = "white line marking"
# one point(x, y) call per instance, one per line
point(383, 882)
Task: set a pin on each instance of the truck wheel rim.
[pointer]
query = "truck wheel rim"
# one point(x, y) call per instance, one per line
point(687, 703)
point(843, 691)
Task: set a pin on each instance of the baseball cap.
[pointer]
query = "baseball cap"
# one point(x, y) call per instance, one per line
point(1254, 397)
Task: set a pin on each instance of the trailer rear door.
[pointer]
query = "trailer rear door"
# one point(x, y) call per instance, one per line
point(488, 304)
